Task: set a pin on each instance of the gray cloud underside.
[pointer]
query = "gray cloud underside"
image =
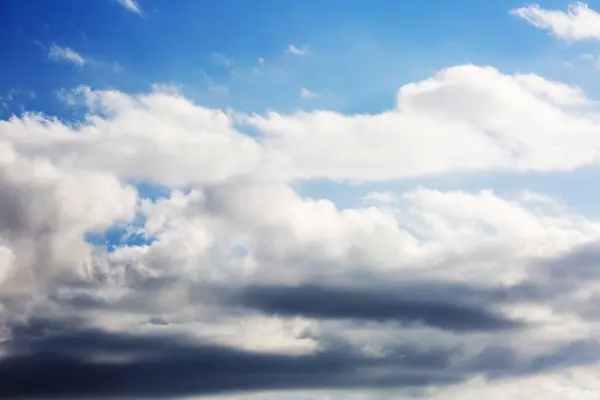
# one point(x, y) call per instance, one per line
point(54, 359)
point(61, 359)
point(337, 303)
point(440, 305)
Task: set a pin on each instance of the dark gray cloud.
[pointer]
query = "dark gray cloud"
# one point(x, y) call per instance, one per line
point(64, 360)
point(429, 308)
point(443, 305)
point(579, 264)
point(50, 363)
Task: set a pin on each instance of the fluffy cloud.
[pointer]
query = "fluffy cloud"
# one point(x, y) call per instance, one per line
point(160, 137)
point(465, 118)
point(243, 281)
point(578, 23)
point(45, 211)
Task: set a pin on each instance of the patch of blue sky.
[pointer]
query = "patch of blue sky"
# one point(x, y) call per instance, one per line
point(360, 52)
point(151, 190)
point(125, 234)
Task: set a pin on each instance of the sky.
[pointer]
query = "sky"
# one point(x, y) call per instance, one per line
point(299, 200)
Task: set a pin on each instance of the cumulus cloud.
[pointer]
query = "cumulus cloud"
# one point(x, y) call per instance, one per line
point(504, 122)
point(517, 122)
point(245, 282)
point(579, 22)
point(136, 141)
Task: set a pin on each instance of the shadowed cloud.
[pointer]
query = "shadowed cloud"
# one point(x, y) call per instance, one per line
point(63, 359)
point(338, 303)
point(90, 363)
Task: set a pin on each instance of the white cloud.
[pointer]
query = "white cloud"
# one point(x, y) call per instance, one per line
point(502, 122)
point(66, 54)
point(131, 5)
point(579, 22)
point(298, 51)
point(160, 136)
point(307, 94)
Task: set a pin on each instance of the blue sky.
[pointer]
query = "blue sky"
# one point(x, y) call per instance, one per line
point(391, 43)
point(361, 200)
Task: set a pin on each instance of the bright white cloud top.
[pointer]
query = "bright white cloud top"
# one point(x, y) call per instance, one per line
point(242, 283)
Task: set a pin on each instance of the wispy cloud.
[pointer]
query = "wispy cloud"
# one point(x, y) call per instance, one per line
point(15, 95)
point(221, 60)
point(381, 328)
point(66, 54)
point(131, 5)
point(220, 89)
point(590, 58)
point(307, 94)
point(299, 51)
point(579, 22)
point(212, 86)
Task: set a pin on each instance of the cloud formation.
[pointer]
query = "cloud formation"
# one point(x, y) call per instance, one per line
point(504, 122)
point(517, 122)
point(239, 279)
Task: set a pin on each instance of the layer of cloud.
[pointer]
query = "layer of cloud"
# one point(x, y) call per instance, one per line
point(579, 22)
point(503, 122)
point(335, 303)
point(164, 367)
